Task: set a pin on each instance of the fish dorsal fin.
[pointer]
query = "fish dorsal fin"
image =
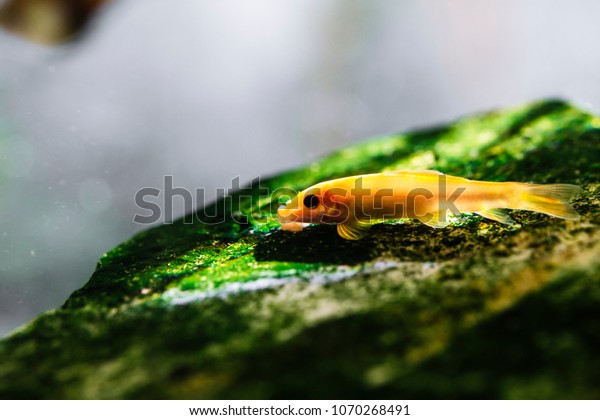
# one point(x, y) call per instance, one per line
point(498, 215)
point(415, 172)
point(353, 229)
point(434, 220)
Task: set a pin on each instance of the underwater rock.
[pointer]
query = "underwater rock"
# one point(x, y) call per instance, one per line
point(241, 309)
point(48, 21)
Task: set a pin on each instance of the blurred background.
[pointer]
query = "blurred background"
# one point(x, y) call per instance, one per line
point(208, 91)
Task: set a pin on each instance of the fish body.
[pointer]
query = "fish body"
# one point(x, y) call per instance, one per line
point(355, 202)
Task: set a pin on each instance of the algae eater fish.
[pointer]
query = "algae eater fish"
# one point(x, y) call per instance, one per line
point(355, 202)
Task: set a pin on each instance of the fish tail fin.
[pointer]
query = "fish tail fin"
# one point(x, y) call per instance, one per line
point(552, 199)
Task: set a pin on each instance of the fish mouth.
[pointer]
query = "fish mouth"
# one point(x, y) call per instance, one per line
point(286, 215)
point(293, 226)
point(289, 220)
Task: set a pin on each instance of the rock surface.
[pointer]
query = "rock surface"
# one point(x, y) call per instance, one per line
point(240, 309)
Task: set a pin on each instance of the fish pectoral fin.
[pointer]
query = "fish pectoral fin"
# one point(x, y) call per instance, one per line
point(435, 220)
point(353, 230)
point(498, 215)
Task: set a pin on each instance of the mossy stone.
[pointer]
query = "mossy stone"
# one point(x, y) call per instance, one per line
point(223, 304)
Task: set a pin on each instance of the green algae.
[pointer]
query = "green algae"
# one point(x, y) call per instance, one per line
point(222, 304)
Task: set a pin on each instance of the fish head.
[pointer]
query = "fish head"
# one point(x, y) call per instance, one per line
point(313, 205)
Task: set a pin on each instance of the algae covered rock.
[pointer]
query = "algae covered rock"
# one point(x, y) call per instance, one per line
point(223, 304)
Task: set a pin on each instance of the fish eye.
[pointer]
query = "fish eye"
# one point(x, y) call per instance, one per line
point(311, 201)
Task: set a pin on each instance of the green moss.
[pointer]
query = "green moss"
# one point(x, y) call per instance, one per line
point(240, 309)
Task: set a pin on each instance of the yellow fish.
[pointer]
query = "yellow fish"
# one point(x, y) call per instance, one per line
point(354, 203)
